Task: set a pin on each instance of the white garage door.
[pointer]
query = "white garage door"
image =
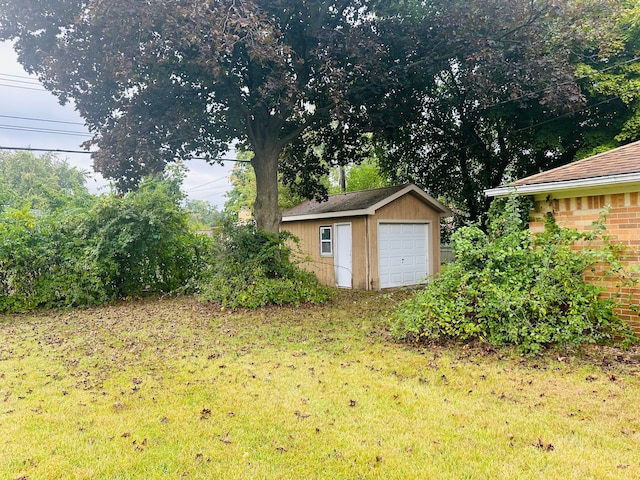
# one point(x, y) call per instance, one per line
point(403, 251)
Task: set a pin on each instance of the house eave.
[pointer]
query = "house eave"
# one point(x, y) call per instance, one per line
point(320, 216)
point(610, 180)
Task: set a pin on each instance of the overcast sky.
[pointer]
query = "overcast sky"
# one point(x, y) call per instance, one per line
point(32, 117)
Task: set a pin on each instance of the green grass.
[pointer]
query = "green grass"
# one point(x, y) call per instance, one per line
point(175, 389)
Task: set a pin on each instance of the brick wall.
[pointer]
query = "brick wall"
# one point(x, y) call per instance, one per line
point(622, 223)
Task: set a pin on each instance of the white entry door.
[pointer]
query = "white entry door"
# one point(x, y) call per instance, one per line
point(403, 249)
point(342, 255)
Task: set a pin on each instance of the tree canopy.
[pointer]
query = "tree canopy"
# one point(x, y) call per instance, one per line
point(158, 80)
point(505, 102)
point(461, 95)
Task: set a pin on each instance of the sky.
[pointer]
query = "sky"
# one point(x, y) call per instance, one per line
point(31, 117)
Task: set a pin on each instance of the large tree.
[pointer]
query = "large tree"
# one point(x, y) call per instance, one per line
point(609, 74)
point(461, 93)
point(160, 80)
point(505, 100)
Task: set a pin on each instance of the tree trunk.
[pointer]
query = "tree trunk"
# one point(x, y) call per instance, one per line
point(265, 209)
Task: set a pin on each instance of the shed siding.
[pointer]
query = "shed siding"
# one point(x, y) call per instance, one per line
point(309, 234)
point(622, 222)
point(408, 208)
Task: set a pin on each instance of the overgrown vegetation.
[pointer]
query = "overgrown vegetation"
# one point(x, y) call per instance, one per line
point(119, 247)
point(509, 287)
point(253, 268)
point(78, 249)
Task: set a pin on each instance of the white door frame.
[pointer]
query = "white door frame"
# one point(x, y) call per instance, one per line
point(342, 256)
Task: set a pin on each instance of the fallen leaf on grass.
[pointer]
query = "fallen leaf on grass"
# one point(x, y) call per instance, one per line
point(547, 447)
point(299, 414)
point(281, 449)
point(352, 403)
point(205, 414)
point(226, 438)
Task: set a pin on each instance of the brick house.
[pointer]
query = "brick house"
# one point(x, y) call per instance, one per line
point(577, 193)
point(372, 239)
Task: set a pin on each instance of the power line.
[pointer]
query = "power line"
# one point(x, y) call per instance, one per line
point(43, 130)
point(40, 120)
point(208, 183)
point(34, 80)
point(213, 189)
point(53, 150)
point(23, 88)
point(568, 82)
point(24, 82)
point(84, 152)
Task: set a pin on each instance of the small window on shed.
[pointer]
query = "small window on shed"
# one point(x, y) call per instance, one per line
point(326, 242)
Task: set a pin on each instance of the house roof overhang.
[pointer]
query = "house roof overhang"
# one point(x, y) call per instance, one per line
point(568, 185)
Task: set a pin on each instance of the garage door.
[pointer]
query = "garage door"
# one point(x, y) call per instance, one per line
point(403, 251)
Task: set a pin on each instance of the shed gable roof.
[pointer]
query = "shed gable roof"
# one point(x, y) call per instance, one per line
point(620, 165)
point(365, 202)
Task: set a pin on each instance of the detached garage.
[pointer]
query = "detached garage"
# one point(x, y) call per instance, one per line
point(369, 240)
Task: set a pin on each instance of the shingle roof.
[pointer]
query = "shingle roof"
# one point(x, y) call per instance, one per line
point(619, 161)
point(615, 167)
point(343, 201)
point(357, 203)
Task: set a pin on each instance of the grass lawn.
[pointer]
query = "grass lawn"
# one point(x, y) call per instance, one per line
point(175, 389)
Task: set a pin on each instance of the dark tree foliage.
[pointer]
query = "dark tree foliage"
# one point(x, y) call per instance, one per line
point(460, 94)
point(157, 80)
point(502, 101)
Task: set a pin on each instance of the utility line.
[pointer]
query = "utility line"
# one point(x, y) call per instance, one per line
point(52, 150)
point(208, 183)
point(23, 88)
point(43, 130)
point(568, 82)
point(34, 83)
point(84, 152)
point(40, 120)
point(35, 80)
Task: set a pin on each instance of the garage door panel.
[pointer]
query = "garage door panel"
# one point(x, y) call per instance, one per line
point(403, 255)
point(395, 261)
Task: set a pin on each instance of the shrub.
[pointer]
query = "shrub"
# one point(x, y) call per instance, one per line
point(141, 242)
point(121, 247)
point(509, 287)
point(253, 268)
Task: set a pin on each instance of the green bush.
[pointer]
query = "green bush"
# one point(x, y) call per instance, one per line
point(252, 268)
point(141, 242)
point(508, 287)
point(120, 247)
